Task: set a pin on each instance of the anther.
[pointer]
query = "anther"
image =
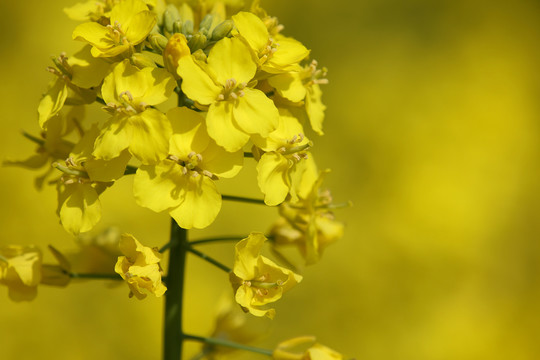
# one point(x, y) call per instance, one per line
point(127, 94)
point(234, 96)
point(195, 174)
point(184, 170)
point(199, 157)
point(191, 154)
point(208, 173)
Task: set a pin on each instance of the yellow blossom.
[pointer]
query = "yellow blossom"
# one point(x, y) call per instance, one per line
point(130, 23)
point(129, 94)
point(315, 352)
point(20, 271)
point(183, 183)
point(175, 50)
point(140, 268)
point(309, 222)
point(257, 280)
point(274, 56)
point(235, 109)
point(284, 149)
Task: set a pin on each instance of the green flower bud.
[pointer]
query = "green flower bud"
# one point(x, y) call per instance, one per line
point(142, 61)
point(197, 41)
point(206, 22)
point(222, 30)
point(170, 15)
point(158, 42)
point(177, 26)
point(187, 27)
point(199, 55)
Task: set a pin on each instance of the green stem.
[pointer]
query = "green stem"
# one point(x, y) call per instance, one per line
point(209, 259)
point(216, 239)
point(243, 199)
point(95, 276)
point(173, 336)
point(34, 139)
point(230, 344)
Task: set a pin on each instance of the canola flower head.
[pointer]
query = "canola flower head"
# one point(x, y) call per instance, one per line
point(258, 281)
point(140, 268)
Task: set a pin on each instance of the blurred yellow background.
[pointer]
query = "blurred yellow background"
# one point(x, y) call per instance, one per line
point(432, 130)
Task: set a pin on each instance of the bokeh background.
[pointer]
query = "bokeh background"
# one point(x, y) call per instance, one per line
point(432, 131)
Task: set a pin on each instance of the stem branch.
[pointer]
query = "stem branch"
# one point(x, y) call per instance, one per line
point(209, 259)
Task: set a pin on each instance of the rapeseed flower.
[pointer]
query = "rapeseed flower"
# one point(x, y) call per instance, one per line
point(315, 352)
point(183, 183)
point(257, 280)
point(235, 109)
point(140, 268)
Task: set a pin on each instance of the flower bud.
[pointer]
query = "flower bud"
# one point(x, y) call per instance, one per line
point(176, 49)
point(142, 61)
point(206, 22)
point(199, 55)
point(170, 16)
point(197, 41)
point(187, 27)
point(177, 26)
point(222, 30)
point(158, 42)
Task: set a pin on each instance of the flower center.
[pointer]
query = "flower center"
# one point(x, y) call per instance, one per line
point(268, 51)
point(232, 90)
point(191, 165)
point(116, 34)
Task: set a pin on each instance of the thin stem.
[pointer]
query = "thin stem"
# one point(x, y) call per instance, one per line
point(230, 344)
point(216, 239)
point(173, 336)
point(34, 139)
point(243, 199)
point(95, 276)
point(209, 259)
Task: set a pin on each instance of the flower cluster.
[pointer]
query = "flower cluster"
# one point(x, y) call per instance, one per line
point(242, 89)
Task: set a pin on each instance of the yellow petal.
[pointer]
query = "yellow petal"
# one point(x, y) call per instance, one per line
point(315, 108)
point(255, 113)
point(156, 187)
point(93, 33)
point(113, 139)
point(252, 29)
point(201, 203)
point(189, 132)
point(140, 26)
point(272, 177)
point(81, 209)
point(150, 132)
point(52, 102)
point(222, 129)
point(107, 170)
point(88, 71)
point(196, 83)
point(289, 85)
point(246, 255)
point(230, 58)
point(124, 11)
point(221, 162)
point(289, 53)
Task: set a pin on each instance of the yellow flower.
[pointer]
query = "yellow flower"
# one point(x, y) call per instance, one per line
point(257, 280)
point(303, 86)
point(130, 23)
point(314, 352)
point(280, 164)
point(74, 77)
point(140, 268)
point(309, 222)
point(84, 179)
point(183, 183)
point(145, 131)
point(274, 55)
point(20, 271)
point(235, 109)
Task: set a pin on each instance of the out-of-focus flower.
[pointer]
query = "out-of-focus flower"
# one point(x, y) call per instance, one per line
point(257, 280)
point(140, 268)
point(309, 222)
point(20, 271)
point(315, 352)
